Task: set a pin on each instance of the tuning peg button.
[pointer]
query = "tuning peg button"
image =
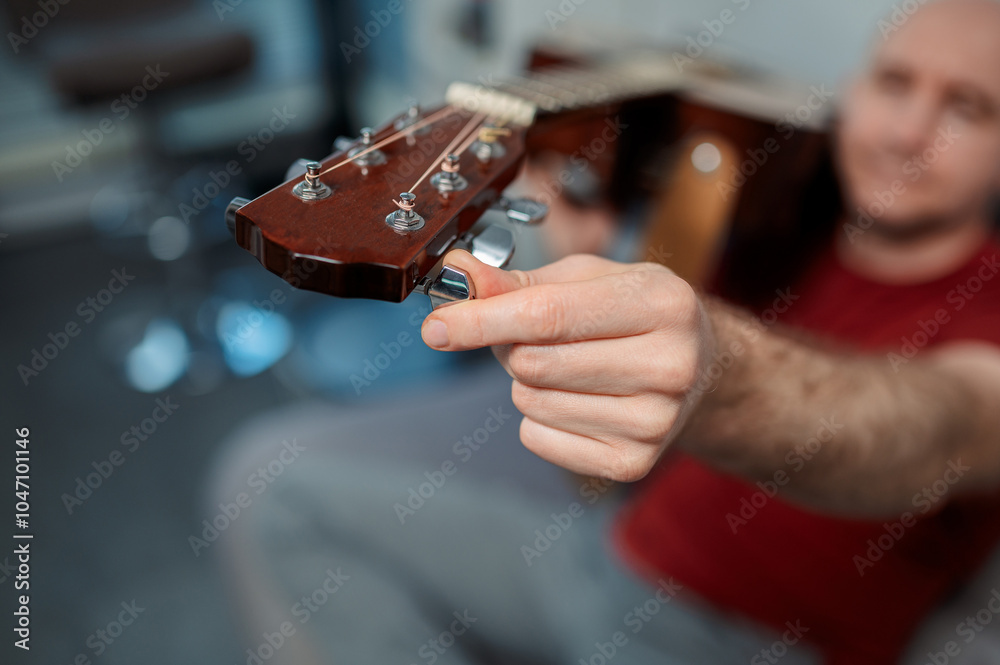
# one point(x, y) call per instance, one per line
point(451, 285)
point(448, 179)
point(494, 246)
point(522, 211)
point(231, 209)
point(405, 219)
point(363, 155)
point(311, 189)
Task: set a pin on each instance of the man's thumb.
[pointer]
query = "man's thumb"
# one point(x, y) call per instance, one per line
point(487, 280)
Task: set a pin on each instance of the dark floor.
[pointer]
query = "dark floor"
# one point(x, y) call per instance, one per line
point(129, 539)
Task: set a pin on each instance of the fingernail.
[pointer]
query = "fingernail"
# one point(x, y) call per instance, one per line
point(436, 334)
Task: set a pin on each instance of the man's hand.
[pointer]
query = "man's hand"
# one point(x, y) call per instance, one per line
point(604, 355)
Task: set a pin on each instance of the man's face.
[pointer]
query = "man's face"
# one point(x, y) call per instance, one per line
point(919, 136)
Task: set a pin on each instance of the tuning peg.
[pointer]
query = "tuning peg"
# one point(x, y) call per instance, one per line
point(342, 143)
point(448, 179)
point(487, 145)
point(522, 210)
point(494, 246)
point(451, 285)
point(404, 218)
point(297, 168)
point(411, 117)
point(231, 209)
point(311, 188)
point(369, 157)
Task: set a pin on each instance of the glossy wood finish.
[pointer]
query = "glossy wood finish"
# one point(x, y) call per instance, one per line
point(342, 246)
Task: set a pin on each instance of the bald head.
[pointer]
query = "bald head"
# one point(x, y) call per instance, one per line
point(955, 34)
point(923, 121)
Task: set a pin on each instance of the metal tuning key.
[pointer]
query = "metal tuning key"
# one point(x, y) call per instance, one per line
point(522, 210)
point(451, 285)
point(409, 118)
point(370, 158)
point(494, 246)
point(297, 168)
point(487, 145)
point(234, 205)
point(311, 189)
point(448, 179)
point(404, 219)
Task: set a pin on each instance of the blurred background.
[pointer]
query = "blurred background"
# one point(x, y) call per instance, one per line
point(132, 338)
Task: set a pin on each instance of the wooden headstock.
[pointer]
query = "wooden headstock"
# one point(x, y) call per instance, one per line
point(342, 244)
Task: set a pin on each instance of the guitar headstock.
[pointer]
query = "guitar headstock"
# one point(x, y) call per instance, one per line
point(373, 220)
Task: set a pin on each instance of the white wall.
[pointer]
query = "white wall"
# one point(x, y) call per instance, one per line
point(813, 40)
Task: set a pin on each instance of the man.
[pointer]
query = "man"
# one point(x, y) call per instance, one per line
point(610, 364)
point(818, 497)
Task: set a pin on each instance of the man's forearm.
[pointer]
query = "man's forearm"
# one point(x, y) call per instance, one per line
point(843, 431)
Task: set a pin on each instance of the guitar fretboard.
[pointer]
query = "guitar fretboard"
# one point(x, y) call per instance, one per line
point(562, 89)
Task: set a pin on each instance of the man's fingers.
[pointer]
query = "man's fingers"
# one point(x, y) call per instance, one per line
point(492, 281)
point(489, 281)
point(611, 305)
point(614, 366)
point(615, 420)
point(581, 454)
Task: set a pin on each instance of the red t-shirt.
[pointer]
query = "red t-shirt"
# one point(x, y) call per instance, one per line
point(776, 562)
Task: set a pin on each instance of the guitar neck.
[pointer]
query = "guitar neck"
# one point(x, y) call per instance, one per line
point(557, 90)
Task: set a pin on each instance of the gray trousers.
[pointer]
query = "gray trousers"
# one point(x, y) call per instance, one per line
point(360, 541)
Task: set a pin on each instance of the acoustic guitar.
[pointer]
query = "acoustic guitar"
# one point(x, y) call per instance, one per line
point(374, 219)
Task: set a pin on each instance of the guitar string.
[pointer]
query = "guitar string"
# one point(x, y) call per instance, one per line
point(448, 110)
point(432, 118)
point(470, 140)
point(469, 126)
